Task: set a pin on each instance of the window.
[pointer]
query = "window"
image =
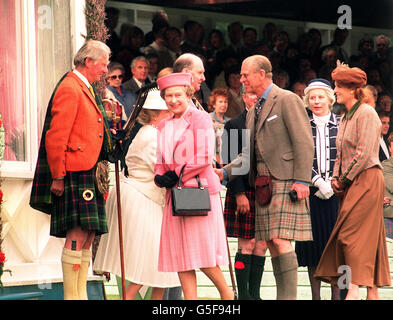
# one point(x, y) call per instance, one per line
point(35, 51)
point(12, 89)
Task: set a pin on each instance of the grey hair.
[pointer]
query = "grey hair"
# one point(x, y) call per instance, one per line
point(329, 94)
point(139, 58)
point(260, 62)
point(92, 49)
point(186, 60)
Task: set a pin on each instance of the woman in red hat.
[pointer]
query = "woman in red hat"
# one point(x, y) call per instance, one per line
point(356, 253)
point(193, 242)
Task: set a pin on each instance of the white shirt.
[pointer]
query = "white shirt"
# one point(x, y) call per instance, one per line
point(384, 147)
point(82, 77)
point(322, 143)
point(140, 84)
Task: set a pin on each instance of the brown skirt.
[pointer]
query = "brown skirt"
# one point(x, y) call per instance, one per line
point(357, 244)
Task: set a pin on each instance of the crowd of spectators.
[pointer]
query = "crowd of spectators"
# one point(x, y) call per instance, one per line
point(295, 61)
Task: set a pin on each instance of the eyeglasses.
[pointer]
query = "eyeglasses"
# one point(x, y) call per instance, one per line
point(114, 77)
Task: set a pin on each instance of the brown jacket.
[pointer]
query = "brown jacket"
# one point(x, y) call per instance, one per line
point(358, 138)
point(284, 138)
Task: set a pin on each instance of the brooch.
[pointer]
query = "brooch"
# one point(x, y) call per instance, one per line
point(88, 195)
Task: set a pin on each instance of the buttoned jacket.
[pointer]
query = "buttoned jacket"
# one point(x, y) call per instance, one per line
point(188, 141)
point(283, 136)
point(75, 137)
point(331, 154)
point(357, 142)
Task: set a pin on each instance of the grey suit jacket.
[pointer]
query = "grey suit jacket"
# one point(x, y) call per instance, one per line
point(284, 138)
point(133, 86)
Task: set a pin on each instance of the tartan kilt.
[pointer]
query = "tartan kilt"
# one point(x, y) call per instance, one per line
point(282, 218)
point(240, 225)
point(72, 210)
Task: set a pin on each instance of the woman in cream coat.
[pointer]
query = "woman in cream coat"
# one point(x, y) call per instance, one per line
point(142, 204)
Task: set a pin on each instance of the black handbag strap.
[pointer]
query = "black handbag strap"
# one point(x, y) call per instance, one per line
point(196, 177)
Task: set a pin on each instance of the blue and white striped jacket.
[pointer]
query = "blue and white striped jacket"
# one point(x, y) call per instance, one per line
point(331, 155)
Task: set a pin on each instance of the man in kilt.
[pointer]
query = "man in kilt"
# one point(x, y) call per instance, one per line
point(280, 157)
point(75, 138)
point(239, 213)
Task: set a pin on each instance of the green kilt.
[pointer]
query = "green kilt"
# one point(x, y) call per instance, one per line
point(282, 218)
point(80, 205)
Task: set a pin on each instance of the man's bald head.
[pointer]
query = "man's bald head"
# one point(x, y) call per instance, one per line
point(191, 63)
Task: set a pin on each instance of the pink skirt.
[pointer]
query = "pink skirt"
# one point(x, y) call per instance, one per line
point(189, 243)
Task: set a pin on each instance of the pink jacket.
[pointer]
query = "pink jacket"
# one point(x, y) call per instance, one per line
point(191, 141)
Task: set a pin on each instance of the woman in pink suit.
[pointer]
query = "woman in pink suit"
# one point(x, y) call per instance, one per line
point(197, 242)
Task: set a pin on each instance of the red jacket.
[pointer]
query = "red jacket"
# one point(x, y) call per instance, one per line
point(75, 137)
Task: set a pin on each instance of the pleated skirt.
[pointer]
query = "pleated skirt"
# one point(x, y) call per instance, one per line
point(323, 218)
point(357, 243)
point(141, 225)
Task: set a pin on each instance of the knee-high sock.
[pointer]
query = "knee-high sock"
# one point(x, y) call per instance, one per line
point(70, 262)
point(277, 274)
point(286, 278)
point(242, 272)
point(256, 272)
point(82, 279)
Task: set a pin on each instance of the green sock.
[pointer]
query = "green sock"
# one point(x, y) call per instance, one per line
point(287, 289)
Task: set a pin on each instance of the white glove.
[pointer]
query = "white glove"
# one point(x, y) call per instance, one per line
point(325, 189)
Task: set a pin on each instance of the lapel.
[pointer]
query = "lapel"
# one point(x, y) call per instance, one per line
point(267, 107)
point(173, 134)
point(85, 90)
point(182, 126)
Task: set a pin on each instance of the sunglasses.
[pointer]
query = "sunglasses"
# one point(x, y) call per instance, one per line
point(114, 77)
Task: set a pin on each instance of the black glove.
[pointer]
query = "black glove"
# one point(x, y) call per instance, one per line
point(167, 180)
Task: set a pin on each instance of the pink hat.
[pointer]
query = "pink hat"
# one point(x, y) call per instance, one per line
point(174, 80)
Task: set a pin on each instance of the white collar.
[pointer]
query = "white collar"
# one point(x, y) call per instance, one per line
point(139, 83)
point(320, 121)
point(82, 77)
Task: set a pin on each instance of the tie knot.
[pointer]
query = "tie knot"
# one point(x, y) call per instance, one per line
point(92, 91)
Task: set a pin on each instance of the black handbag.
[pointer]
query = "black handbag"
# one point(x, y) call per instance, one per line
point(190, 201)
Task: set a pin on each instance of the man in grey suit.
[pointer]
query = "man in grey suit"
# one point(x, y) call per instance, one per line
point(279, 157)
point(140, 71)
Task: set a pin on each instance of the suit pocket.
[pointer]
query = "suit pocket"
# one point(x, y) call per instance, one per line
point(287, 155)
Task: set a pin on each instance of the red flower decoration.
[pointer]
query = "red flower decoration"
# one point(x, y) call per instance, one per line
point(2, 257)
point(1, 196)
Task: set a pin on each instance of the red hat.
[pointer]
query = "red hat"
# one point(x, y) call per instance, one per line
point(349, 77)
point(174, 80)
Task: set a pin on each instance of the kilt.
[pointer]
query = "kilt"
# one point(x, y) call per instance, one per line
point(240, 225)
point(282, 218)
point(75, 208)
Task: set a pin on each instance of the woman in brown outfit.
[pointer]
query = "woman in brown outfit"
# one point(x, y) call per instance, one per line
point(356, 253)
